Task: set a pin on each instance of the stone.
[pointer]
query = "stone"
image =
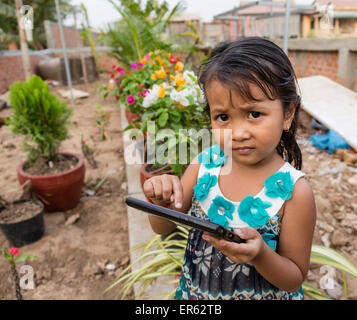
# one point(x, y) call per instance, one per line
point(72, 219)
point(90, 270)
point(339, 238)
point(324, 226)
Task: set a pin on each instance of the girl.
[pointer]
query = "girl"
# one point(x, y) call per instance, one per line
point(250, 87)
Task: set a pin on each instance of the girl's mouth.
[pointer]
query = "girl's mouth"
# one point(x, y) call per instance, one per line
point(243, 150)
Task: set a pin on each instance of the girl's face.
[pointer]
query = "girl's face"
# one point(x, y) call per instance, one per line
point(256, 126)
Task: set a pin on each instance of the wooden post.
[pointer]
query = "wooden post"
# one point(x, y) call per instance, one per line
point(79, 45)
point(23, 43)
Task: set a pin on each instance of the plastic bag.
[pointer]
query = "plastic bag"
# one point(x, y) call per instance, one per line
point(331, 141)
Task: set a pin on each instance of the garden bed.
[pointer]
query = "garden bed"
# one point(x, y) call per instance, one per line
point(80, 246)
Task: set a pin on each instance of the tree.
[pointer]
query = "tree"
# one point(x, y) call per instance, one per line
point(42, 9)
point(140, 29)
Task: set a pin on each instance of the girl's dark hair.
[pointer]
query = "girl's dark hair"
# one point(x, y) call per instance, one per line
point(259, 61)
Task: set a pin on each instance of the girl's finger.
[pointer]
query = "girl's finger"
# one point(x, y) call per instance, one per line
point(148, 189)
point(178, 193)
point(166, 189)
point(158, 189)
point(246, 233)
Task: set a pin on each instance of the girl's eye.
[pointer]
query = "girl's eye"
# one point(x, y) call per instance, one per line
point(254, 114)
point(222, 117)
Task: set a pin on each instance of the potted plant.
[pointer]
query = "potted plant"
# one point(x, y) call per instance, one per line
point(56, 177)
point(172, 107)
point(21, 221)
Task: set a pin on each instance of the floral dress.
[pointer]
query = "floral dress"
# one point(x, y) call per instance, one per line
point(207, 274)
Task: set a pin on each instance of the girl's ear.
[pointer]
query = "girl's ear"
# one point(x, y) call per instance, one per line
point(289, 116)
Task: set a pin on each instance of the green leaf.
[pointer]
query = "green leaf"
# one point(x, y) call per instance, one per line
point(163, 119)
point(24, 257)
point(7, 256)
point(191, 100)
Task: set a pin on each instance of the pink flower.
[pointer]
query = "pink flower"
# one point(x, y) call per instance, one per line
point(133, 66)
point(145, 92)
point(141, 85)
point(139, 94)
point(119, 69)
point(130, 100)
point(140, 65)
point(14, 251)
point(116, 79)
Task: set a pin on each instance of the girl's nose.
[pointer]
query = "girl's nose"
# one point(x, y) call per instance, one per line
point(240, 133)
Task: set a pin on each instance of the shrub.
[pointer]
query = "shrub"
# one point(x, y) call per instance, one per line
point(40, 116)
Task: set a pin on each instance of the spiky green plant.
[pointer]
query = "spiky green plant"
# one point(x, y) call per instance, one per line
point(140, 29)
point(40, 116)
point(158, 258)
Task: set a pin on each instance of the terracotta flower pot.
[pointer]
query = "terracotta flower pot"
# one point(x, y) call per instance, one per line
point(130, 116)
point(145, 174)
point(59, 192)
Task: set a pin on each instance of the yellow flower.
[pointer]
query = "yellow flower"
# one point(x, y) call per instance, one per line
point(160, 74)
point(180, 106)
point(144, 60)
point(161, 92)
point(172, 78)
point(153, 76)
point(160, 61)
point(180, 80)
point(179, 66)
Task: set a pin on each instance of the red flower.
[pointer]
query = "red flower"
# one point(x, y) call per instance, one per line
point(141, 85)
point(172, 59)
point(14, 251)
point(113, 66)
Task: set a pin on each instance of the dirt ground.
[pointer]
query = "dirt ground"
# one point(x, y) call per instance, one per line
point(80, 243)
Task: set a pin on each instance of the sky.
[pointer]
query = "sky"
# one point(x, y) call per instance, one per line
point(101, 12)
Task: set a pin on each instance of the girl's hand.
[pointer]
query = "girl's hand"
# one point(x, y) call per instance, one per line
point(239, 252)
point(164, 189)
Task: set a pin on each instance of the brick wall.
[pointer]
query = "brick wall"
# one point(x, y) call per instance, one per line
point(309, 63)
point(72, 37)
point(11, 70)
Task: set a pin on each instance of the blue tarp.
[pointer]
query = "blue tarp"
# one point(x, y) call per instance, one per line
point(331, 141)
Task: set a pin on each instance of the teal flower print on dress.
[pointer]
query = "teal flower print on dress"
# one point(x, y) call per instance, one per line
point(270, 240)
point(252, 211)
point(280, 184)
point(201, 189)
point(212, 157)
point(220, 210)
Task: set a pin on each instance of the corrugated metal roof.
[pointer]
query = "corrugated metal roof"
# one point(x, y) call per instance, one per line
point(259, 9)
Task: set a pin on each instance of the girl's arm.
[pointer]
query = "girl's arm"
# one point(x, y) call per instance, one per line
point(288, 268)
point(168, 189)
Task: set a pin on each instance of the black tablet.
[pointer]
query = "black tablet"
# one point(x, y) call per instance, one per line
point(184, 219)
